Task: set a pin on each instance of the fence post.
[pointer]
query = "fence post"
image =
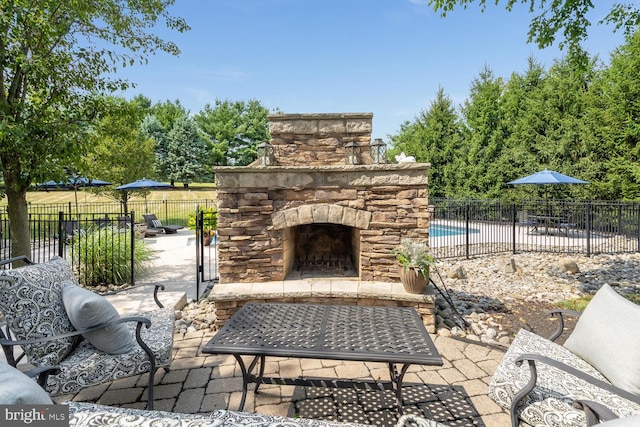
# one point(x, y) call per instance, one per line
point(638, 224)
point(588, 224)
point(467, 214)
point(166, 211)
point(199, 250)
point(514, 221)
point(60, 236)
point(133, 248)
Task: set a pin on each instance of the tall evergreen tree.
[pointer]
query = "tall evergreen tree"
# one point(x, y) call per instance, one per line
point(187, 153)
point(621, 89)
point(152, 128)
point(484, 136)
point(434, 137)
point(234, 129)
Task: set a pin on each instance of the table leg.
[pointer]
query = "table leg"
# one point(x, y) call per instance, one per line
point(246, 375)
point(245, 380)
point(396, 381)
point(261, 374)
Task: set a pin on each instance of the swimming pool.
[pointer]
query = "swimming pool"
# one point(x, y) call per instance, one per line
point(439, 230)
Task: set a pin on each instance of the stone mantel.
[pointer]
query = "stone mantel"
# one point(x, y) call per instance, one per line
point(344, 176)
point(327, 168)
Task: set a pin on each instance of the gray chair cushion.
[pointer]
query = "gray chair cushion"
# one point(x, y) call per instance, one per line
point(31, 301)
point(607, 337)
point(550, 402)
point(87, 366)
point(86, 310)
point(16, 388)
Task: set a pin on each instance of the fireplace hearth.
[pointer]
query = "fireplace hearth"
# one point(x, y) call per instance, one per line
point(309, 212)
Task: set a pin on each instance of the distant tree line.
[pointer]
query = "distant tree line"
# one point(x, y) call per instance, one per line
point(580, 117)
point(134, 138)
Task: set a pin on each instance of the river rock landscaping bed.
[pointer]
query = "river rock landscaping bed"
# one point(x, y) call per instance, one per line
point(497, 295)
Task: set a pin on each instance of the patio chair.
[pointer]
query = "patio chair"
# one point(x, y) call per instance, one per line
point(71, 229)
point(142, 230)
point(567, 224)
point(538, 379)
point(525, 220)
point(154, 223)
point(57, 323)
point(102, 222)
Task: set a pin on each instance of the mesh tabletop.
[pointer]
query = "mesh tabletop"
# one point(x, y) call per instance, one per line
point(341, 332)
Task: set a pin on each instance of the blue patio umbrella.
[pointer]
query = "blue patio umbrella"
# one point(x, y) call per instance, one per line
point(547, 177)
point(143, 184)
point(74, 182)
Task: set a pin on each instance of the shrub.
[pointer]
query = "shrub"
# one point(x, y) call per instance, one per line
point(579, 304)
point(103, 257)
point(209, 220)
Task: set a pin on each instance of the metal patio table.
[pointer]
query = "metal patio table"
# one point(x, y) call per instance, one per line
point(392, 335)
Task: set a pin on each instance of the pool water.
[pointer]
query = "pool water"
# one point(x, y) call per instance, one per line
point(439, 230)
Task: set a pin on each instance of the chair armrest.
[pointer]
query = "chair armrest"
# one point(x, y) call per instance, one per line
point(560, 313)
point(41, 373)
point(21, 258)
point(594, 411)
point(8, 344)
point(532, 358)
point(140, 320)
point(155, 295)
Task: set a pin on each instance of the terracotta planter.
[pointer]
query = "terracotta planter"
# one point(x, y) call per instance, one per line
point(413, 283)
point(208, 237)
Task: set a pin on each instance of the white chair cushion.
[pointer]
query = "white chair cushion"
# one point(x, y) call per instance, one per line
point(633, 421)
point(606, 335)
point(86, 310)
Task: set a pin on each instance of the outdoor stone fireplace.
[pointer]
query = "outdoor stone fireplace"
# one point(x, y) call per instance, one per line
point(304, 212)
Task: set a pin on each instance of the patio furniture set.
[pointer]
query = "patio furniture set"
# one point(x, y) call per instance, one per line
point(594, 377)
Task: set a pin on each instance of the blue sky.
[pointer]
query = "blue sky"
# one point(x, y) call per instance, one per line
point(387, 57)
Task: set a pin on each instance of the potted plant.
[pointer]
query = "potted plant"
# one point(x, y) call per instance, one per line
point(209, 223)
point(414, 261)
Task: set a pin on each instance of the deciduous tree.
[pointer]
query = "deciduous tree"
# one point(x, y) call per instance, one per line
point(54, 56)
point(570, 17)
point(120, 152)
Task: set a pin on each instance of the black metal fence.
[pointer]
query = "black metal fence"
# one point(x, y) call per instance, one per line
point(98, 239)
point(168, 211)
point(459, 228)
point(467, 228)
point(99, 246)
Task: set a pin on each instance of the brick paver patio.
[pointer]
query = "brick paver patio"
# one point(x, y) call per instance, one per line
point(455, 394)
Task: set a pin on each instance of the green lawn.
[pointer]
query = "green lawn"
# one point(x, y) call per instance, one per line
point(194, 192)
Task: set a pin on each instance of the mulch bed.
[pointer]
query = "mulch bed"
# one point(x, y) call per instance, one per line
point(531, 315)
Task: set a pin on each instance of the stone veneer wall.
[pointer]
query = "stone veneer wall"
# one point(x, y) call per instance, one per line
point(319, 139)
point(257, 205)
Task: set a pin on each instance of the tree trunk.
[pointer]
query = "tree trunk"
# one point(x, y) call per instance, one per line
point(18, 215)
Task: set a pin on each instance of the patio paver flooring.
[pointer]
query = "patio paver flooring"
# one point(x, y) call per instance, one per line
point(454, 394)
